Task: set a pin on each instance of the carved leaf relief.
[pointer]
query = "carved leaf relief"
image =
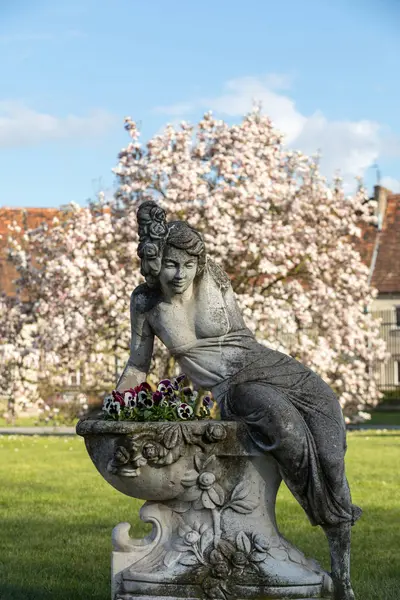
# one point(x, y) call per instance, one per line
point(189, 560)
point(243, 506)
point(241, 491)
point(171, 558)
point(243, 543)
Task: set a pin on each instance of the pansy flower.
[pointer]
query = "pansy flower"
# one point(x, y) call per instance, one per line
point(118, 397)
point(111, 406)
point(190, 394)
point(109, 398)
point(106, 403)
point(208, 402)
point(145, 400)
point(174, 400)
point(143, 387)
point(165, 387)
point(130, 398)
point(184, 411)
point(176, 382)
point(157, 398)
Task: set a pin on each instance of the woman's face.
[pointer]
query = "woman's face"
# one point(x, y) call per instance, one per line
point(178, 270)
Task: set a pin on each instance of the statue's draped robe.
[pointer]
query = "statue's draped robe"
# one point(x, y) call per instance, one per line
point(290, 412)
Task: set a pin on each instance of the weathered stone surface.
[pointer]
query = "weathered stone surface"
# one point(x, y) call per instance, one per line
point(211, 500)
point(216, 490)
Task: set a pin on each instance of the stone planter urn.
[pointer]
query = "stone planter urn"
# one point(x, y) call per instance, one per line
point(210, 497)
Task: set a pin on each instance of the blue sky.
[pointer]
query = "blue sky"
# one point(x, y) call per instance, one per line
point(326, 72)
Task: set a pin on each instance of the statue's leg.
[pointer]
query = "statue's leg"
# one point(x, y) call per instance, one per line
point(339, 546)
point(338, 534)
point(309, 447)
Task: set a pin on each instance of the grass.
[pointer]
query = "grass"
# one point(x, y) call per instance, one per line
point(377, 418)
point(57, 513)
point(21, 422)
point(29, 422)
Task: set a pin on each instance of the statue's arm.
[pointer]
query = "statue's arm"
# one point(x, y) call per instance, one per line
point(235, 314)
point(142, 342)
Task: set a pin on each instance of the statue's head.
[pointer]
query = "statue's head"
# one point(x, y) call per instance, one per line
point(172, 254)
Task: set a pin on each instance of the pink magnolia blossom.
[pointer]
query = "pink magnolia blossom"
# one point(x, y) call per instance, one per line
point(268, 218)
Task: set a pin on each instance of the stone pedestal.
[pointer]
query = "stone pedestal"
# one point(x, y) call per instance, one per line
point(210, 497)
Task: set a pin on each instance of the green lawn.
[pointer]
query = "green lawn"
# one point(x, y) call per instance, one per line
point(28, 422)
point(57, 513)
point(21, 422)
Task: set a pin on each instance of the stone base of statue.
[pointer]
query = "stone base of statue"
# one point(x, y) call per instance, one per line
point(210, 497)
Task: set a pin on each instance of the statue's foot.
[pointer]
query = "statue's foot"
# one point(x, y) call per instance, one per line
point(342, 590)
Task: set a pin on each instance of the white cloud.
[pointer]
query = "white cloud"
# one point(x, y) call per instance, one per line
point(348, 146)
point(23, 126)
point(242, 93)
point(391, 184)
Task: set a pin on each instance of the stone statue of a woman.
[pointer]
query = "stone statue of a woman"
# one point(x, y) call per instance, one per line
point(291, 413)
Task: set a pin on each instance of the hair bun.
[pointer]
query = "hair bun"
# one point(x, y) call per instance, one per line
point(152, 221)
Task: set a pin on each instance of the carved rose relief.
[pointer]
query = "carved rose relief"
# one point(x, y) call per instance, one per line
point(215, 432)
point(161, 446)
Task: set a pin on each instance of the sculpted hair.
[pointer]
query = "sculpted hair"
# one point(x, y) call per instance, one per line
point(155, 233)
point(184, 237)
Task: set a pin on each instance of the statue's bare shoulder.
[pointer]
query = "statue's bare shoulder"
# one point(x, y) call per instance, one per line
point(219, 276)
point(144, 298)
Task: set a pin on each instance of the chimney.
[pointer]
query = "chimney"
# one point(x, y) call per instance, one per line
point(380, 196)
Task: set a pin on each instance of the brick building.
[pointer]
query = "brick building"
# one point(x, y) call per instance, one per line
point(380, 249)
point(26, 218)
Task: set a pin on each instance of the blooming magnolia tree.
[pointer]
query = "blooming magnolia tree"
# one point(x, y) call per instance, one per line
point(268, 218)
point(79, 290)
point(19, 358)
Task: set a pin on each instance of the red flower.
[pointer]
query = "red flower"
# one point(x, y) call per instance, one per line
point(118, 397)
point(145, 387)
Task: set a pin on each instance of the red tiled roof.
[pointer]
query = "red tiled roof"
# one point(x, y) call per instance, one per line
point(26, 218)
point(386, 267)
point(366, 244)
point(380, 248)
point(386, 273)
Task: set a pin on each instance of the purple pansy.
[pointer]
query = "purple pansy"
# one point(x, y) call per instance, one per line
point(184, 411)
point(165, 387)
point(157, 398)
point(208, 402)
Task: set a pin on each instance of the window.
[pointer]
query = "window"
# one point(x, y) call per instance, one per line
point(397, 309)
point(75, 379)
point(397, 372)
